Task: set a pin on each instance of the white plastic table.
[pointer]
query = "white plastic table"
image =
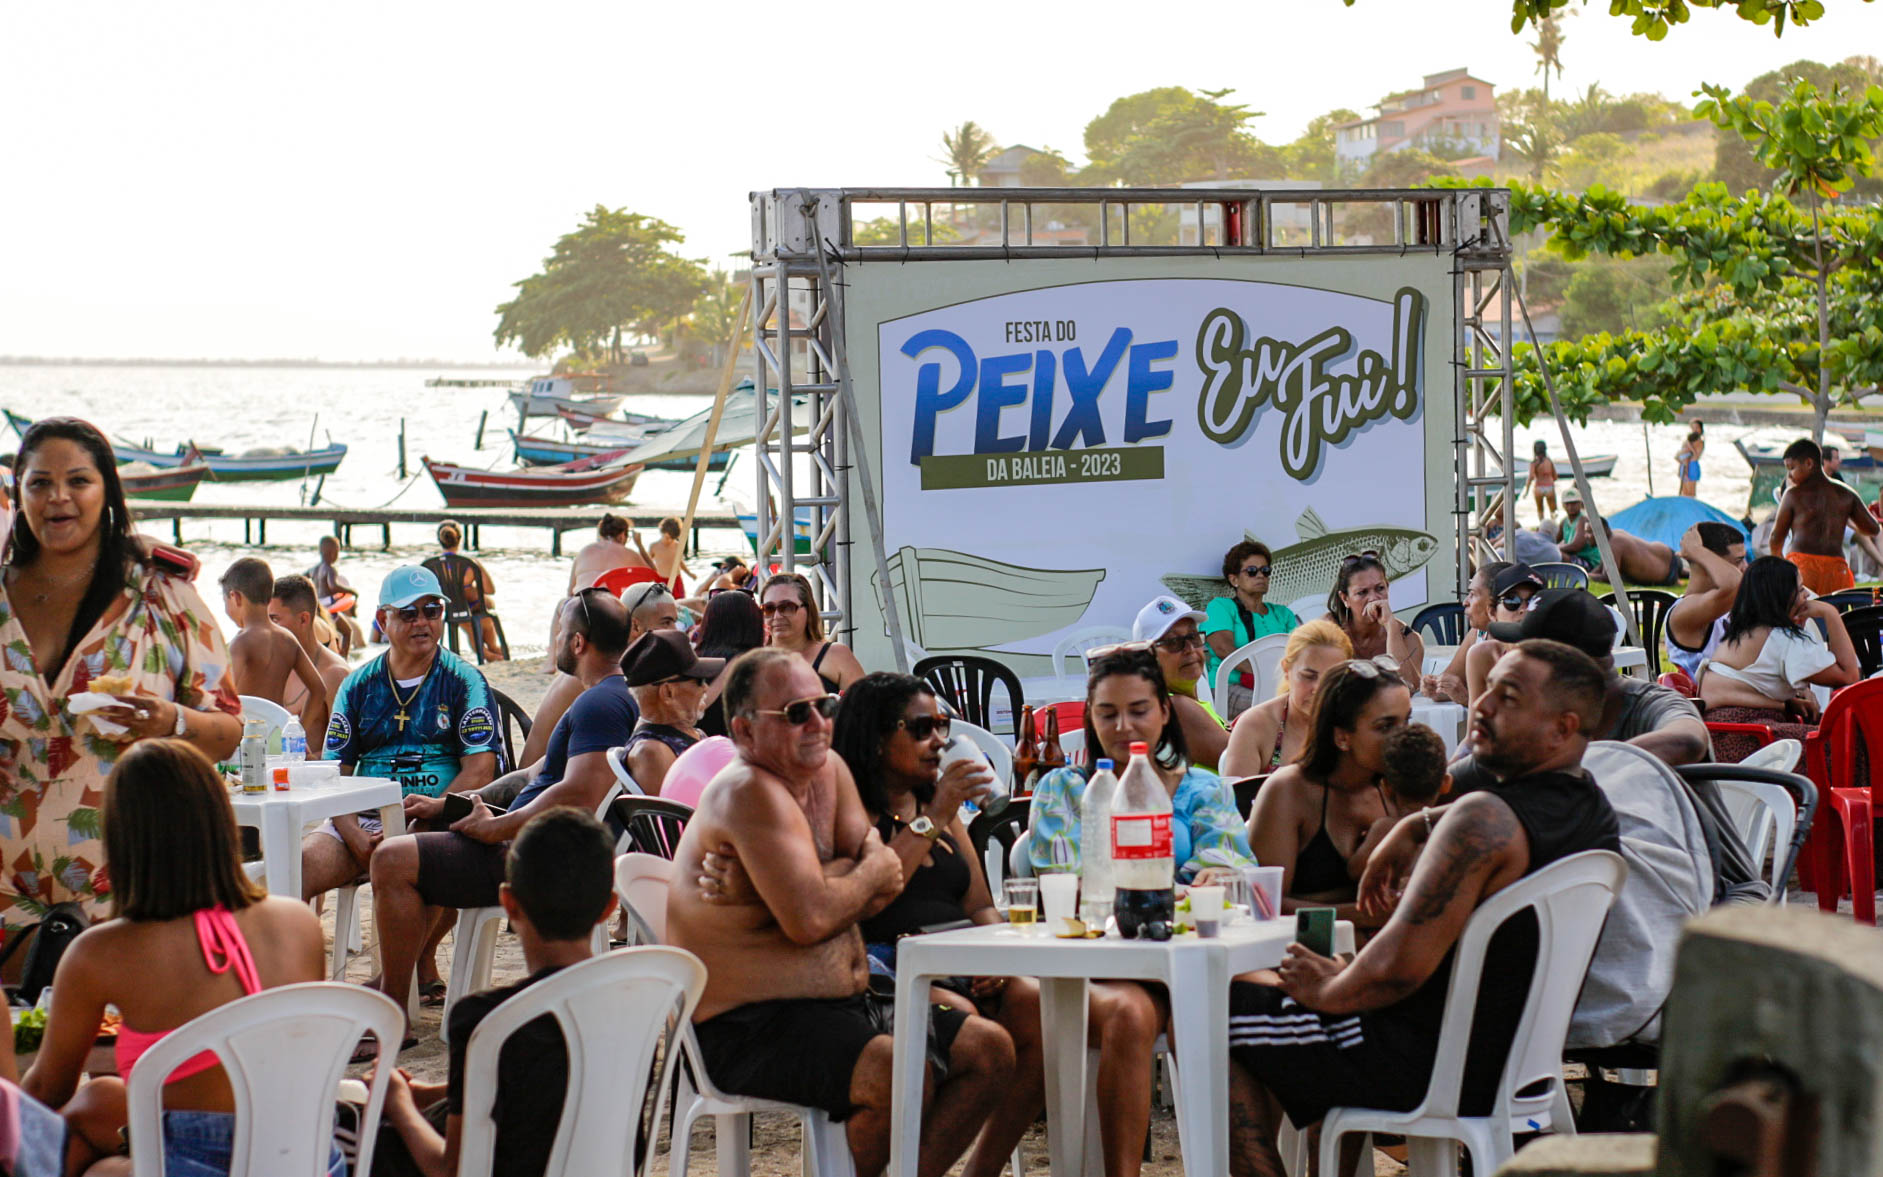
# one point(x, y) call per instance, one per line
point(1196, 972)
point(1445, 718)
point(280, 817)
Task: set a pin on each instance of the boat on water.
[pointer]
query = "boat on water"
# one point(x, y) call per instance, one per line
point(533, 450)
point(958, 601)
point(1593, 465)
point(1772, 453)
point(547, 395)
point(802, 547)
point(635, 425)
point(266, 465)
point(177, 484)
point(602, 478)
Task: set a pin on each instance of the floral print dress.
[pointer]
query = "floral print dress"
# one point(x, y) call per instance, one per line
point(53, 763)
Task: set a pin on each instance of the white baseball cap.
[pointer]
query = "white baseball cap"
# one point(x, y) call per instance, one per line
point(1156, 618)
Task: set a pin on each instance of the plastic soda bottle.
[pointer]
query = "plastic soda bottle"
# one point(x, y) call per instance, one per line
point(1095, 813)
point(1142, 867)
point(962, 748)
point(293, 741)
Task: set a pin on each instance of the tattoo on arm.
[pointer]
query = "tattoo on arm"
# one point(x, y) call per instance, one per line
point(1463, 843)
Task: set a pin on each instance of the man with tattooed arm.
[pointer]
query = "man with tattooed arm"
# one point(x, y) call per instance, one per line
point(1317, 1033)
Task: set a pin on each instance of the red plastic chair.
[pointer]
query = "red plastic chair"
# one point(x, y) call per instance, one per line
point(1840, 857)
point(1071, 715)
point(1677, 680)
point(617, 580)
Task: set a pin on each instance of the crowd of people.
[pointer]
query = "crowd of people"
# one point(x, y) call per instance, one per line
point(834, 830)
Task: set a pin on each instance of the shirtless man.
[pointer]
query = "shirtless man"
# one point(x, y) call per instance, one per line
point(775, 870)
point(339, 598)
point(263, 655)
point(1643, 561)
point(293, 607)
point(608, 552)
point(1716, 559)
point(1814, 513)
point(666, 552)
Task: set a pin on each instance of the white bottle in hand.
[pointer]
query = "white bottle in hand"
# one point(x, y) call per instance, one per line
point(1095, 810)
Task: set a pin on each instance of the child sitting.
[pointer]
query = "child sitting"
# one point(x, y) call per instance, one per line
point(1415, 778)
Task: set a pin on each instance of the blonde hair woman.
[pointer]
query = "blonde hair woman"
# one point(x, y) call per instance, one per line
point(1272, 734)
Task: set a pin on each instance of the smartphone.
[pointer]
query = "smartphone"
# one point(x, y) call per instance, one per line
point(458, 807)
point(1314, 929)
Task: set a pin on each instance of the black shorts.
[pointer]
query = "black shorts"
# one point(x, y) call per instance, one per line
point(456, 871)
point(804, 1050)
point(1314, 1061)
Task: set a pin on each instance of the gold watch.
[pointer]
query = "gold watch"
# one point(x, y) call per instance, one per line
point(923, 826)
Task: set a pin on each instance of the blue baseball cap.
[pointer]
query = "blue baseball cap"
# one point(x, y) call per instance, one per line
point(407, 584)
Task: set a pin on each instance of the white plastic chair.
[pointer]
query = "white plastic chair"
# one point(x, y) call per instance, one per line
point(1765, 816)
point(641, 882)
point(1779, 756)
point(618, 764)
point(1571, 898)
point(1263, 656)
point(284, 1051)
point(1081, 640)
point(255, 707)
point(615, 1012)
point(999, 756)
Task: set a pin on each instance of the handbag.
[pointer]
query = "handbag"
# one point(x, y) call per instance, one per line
point(50, 937)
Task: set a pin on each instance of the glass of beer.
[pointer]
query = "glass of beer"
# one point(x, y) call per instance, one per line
point(1023, 902)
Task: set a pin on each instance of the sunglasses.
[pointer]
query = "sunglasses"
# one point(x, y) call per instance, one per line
point(1375, 667)
point(711, 593)
point(924, 726)
point(1257, 569)
point(1178, 644)
point(1097, 652)
point(430, 611)
point(787, 608)
point(1512, 600)
point(1355, 557)
point(798, 712)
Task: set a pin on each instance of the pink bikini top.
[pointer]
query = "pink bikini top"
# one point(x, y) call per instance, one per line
point(223, 949)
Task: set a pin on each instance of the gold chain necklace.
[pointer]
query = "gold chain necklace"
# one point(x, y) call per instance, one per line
point(406, 702)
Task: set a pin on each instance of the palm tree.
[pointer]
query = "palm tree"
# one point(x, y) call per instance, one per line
point(966, 149)
point(1549, 49)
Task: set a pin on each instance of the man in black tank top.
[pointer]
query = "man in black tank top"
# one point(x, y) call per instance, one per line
point(1318, 1033)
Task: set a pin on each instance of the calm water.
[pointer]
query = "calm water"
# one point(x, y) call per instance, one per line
point(244, 408)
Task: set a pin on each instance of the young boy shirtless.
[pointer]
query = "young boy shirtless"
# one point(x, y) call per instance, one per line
point(263, 655)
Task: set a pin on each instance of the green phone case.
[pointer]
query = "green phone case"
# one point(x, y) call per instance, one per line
point(1314, 929)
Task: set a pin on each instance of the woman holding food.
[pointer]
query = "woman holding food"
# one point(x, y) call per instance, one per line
point(87, 609)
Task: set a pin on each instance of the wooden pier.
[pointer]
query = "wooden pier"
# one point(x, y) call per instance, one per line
point(557, 520)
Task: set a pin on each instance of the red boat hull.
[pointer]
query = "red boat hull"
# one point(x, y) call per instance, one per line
point(572, 484)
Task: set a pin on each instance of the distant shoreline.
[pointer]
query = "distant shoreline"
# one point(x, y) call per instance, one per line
point(155, 362)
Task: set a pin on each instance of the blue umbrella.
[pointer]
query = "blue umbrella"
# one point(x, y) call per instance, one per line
point(1665, 520)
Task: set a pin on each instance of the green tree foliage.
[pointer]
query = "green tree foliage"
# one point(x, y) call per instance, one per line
point(615, 272)
point(1048, 169)
point(1653, 18)
point(1404, 169)
point(887, 231)
point(1171, 135)
point(965, 149)
point(1734, 163)
point(1311, 157)
point(709, 325)
point(1614, 295)
point(1548, 48)
point(1532, 130)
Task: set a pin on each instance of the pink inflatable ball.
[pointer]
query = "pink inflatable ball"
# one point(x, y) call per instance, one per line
point(687, 777)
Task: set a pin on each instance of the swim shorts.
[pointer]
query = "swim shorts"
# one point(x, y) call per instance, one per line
point(1822, 574)
point(804, 1050)
point(1314, 1061)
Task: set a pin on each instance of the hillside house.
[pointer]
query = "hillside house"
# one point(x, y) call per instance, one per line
point(1453, 111)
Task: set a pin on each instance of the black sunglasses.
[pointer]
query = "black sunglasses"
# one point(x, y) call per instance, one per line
point(924, 726)
point(711, 593)
point(1353, 557)
point(797, 713)
point(1512, 601)
point(1257, 569)
point(430, 611)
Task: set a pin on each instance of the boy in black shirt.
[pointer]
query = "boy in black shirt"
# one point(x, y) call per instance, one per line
point(559, 885)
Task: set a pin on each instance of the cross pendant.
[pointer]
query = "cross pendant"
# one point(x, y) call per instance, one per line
point(402, 717)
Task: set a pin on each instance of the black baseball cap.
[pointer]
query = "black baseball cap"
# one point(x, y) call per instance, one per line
point(661, 654)
point(1570, 616)
point(1516, 575)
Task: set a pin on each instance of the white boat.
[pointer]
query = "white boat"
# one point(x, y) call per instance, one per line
point(547, 396)
point(1594, 465)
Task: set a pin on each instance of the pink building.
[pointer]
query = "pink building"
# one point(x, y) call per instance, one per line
point(1452, 110)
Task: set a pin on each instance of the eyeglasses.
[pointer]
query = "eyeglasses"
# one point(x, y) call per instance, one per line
point(924, 726)
point(1375, 667)
point(430, 611)
point(1256, 569)
point(797, 713)
point(1180, 643)
point(787, 608)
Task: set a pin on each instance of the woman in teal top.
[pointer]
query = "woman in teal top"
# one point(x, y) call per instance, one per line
point(1126, 701)
point(1234, 621)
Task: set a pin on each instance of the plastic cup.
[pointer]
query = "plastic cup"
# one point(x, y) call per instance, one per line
point(1206, 910)
point(1095, 913)
point(1236, 898)
point(1264, 891)
point(1060, 895)
point(1023, 902)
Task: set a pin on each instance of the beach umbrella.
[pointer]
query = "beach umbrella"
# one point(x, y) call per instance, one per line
point(1665, 520)
point(736, 427)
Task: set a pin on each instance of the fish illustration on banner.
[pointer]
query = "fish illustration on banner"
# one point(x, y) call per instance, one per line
point(1309, 566)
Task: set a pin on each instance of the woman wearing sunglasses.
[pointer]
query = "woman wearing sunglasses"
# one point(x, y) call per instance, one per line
point(1232, 622)
point(1361, 605)
point(1313, 813)
point(1511, 588)
point(1126, 701)
point(1264, 738)
point(793, 623)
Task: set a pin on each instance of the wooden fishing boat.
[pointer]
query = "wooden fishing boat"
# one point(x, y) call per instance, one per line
point(624, 425)
point(260, 466)
point(1594, 465)
point(802, 546)
point(532, 450)
point(177, 484)
point(546, 395)
point(602, 478)
point(957, 601)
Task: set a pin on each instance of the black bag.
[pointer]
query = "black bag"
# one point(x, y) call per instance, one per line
point(51, 937)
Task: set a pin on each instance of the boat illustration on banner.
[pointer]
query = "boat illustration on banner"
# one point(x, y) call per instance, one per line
point(1309, 567)
point(956, 601)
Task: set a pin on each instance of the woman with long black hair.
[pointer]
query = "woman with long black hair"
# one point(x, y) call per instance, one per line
point(1770, 654)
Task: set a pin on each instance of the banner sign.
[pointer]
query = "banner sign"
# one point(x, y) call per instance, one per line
point(1055, 454)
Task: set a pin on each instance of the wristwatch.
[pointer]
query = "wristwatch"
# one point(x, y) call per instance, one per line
point(181, 730)
point(923, 826)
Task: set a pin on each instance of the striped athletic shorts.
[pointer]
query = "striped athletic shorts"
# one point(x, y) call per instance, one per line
point(1313, 1061)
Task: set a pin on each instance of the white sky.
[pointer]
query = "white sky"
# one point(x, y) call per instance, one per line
point(364, 181)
